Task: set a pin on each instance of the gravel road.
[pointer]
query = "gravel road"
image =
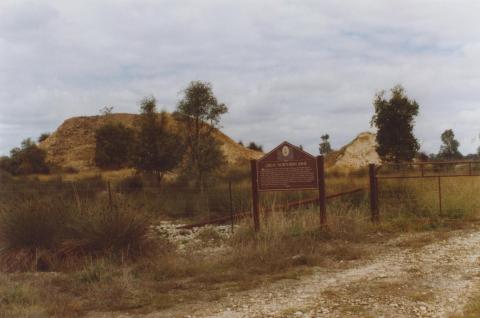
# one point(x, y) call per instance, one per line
point(430, 281)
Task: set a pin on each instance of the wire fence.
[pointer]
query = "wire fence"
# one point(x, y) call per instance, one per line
point(443, 186)
point(219, 200)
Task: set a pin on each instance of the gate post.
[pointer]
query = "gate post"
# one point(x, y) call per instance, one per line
point(322, 200)
point(256, 220)
point(373, 193)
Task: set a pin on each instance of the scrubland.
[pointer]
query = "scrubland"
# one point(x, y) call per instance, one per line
point(69, 248)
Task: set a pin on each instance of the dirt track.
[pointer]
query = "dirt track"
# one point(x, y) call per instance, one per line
point(431, 281)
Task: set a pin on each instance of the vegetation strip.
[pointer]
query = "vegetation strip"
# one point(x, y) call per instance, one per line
point(287, 206)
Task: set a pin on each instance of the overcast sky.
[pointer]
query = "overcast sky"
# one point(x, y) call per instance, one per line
point(288, 70)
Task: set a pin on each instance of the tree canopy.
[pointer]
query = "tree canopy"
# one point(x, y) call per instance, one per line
point(449, 148)
point(156, 149)
point(26, 159)
point(394, 119)
point(199, 113)
point(112, 145)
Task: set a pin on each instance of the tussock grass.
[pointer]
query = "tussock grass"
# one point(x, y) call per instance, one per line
point(48, 233)
point(119, 231)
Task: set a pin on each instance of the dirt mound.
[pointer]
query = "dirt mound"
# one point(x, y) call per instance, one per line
point(73, 143)
point(357, 154)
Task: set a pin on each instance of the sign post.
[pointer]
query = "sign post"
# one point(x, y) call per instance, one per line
point(373, 192)
point(255, 208)
point(287, 167)
point(322, 199)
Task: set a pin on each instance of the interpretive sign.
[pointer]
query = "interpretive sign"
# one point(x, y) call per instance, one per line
point(287, 167)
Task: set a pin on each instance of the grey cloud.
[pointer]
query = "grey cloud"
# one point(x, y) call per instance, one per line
point(288, 70)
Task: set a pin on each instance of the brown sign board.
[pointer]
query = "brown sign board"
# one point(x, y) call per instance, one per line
point(287, 167)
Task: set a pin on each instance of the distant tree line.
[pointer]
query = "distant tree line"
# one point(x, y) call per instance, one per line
point(159, 143)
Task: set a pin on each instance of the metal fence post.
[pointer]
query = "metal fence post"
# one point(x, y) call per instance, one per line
point(440, 195)
point(373, 193)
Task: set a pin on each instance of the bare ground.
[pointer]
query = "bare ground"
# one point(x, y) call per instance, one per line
point(404, 280)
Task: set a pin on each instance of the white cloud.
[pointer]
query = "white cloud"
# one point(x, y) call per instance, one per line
point(288, 69)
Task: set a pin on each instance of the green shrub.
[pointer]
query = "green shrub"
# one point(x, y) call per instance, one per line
point(112, 145)
point(27, 159)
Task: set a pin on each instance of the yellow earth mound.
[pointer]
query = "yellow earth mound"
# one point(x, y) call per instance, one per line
point(357, 154)
point(73, 143)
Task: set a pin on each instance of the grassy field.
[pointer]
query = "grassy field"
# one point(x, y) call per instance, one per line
point(70, 248)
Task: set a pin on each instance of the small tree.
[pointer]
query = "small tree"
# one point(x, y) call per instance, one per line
point(156, 150)
point(394, 120)
point(106, 111)
point(449, 148)
point(199, 113)
point(113, 142)
point(324, 146)
point(252, 145)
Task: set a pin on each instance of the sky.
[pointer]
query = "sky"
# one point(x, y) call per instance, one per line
point(287, 70)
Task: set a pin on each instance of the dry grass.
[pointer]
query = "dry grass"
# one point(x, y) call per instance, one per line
point(287, 246)
point(53, 233)
point(172, 278)
point(472, 309)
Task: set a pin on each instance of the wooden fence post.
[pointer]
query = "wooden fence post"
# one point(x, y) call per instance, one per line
point(322, 201)
point(256, 219)
point(373, 193)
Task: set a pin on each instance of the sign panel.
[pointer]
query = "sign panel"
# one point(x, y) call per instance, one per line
point(287, 167)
